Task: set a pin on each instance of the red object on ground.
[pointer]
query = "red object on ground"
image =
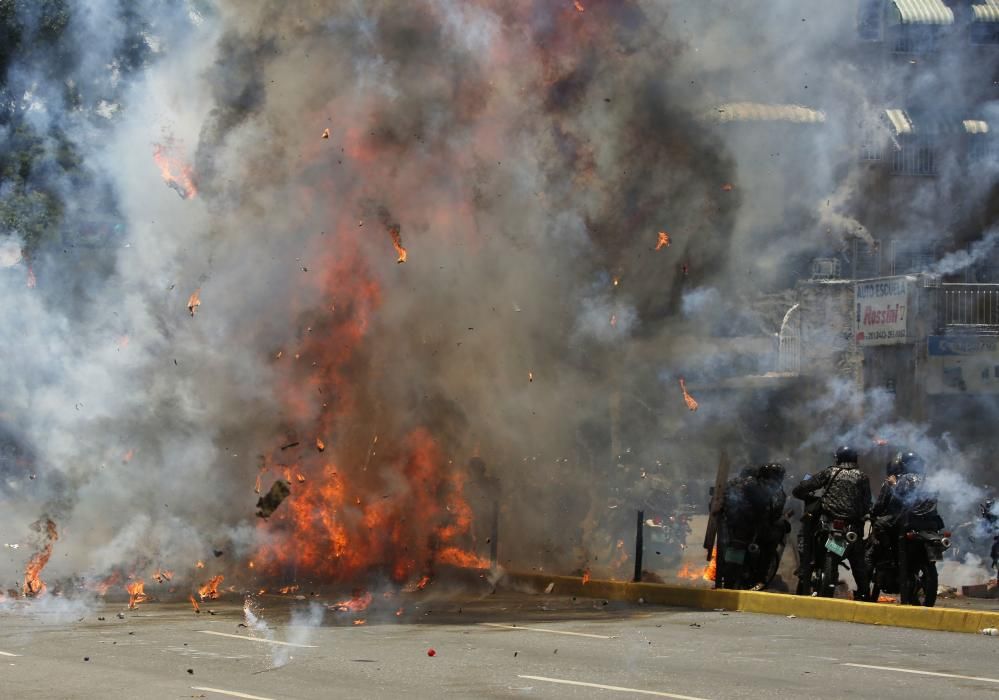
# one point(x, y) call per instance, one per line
point(431, 652)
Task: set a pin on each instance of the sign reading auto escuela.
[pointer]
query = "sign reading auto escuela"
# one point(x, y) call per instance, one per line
point(882, 311)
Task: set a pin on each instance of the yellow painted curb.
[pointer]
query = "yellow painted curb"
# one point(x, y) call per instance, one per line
point(940, 619)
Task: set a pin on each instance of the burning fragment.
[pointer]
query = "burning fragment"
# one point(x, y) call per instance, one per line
point(396, 234)
point(727, 187)
point(33, 584)
point(161, 576)
point(586, 576)
point(136, 593)
point(326, 133)
point(210, 591)
point(194, 301)
point(687, 398)
point(530, 376)
point(360, 622)
point(267, 504)
point(320, 445)
point(199, 564)
point(175, 174)
point(579, 6)
point(194, 604)
point(358, 602)
point(663, 241)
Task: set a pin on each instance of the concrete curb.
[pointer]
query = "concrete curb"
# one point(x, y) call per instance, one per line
point(938, 619)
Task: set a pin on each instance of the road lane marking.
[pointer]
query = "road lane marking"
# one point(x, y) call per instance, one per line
point(257, 639)
point(617, 688)
point(541, 629)
point(7, 653)
point(230, 693)
point(926, 673)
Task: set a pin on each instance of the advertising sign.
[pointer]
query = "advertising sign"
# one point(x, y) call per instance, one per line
point(882, 311)
point(963, 365)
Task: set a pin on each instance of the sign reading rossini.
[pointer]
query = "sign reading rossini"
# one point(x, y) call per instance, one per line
point(882, 311)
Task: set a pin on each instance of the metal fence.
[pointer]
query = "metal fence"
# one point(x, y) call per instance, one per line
point(971, 306)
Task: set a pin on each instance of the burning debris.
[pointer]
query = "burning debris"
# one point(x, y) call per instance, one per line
point(176, 174)
point(578, 5)
point(194, 301)
point(396, 233)
point(194, 604)
point(210, 591)
point(136, 593)
point(689, 400)
point(162, 576)
point(663, 241)
point(267, 504)
point(33, 584)
point(326, 133)
point(320, 445)
point(358, 602)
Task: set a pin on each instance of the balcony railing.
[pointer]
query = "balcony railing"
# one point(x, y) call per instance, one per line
point(970, 307)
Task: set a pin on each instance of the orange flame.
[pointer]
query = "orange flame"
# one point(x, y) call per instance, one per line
point(285, 590)
point(727, 187)
point(396, 234)
point(175, 174)
point(459, 557)
point(711, 570)
point(687, 398)
point(136, 593)
point(579, 6)
point(663, 241)
point(586, 576)
point(194, 301)
point(33, 584)
point(199, 565)
point(320, 445)
point(194, 604)
point(210, 590)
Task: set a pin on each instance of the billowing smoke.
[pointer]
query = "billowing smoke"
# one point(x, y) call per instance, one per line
point(524, 155)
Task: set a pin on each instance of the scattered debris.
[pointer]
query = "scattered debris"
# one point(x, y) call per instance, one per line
point(218, 552)
point(320, 445)
point(267, 504)
point(194, 603)
point(990, 632)
point(121, 616)
point(326, 133)
point(194, 301)
point(190, 671)
point(431, 652)
point(290, 445)
point(694, 624)
point(663, 241)
point(586, 576)
point(792, 617)
point(550, 587)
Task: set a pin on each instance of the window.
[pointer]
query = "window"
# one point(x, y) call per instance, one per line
point(914, 156)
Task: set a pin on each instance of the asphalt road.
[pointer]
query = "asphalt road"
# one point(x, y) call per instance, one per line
point(503, 645)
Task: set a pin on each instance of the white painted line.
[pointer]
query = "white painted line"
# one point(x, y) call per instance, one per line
point(230, 693)
point(257, 639)
point(926, 673)
point(617, 688)
point(541, 629)
point(7, 653)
